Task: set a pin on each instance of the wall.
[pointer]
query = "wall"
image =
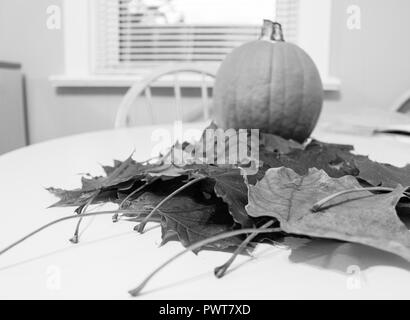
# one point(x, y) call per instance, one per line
point(25, 38)
point(12, 119)
point(373, 65)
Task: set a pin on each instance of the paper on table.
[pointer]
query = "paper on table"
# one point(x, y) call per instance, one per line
point(395, 129)
point(402, 131)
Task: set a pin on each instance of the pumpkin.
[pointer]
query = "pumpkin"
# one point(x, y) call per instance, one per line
point(270, 85)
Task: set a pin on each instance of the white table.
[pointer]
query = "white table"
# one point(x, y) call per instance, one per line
point(111, 258)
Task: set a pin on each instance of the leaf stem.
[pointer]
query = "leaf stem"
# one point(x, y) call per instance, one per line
point(31, 234)
point(141, 226)
point(76, 237)
point(135, 292)
point(221, 270)
point(115, 218)
point(150, 159)
point(319, 205)
point(115, 174)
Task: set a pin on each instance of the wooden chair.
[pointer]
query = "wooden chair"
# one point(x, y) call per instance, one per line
point(402, 105)
point(174, 70)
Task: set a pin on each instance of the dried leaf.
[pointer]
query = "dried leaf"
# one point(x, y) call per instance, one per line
point(189, 218)
point(335, 160)
point(123, 172)
point(229, 184)
point(70, 198)
point(379, 174)
point(222, 147)
point(122, 176)
point(273, 143)
point(360, 217)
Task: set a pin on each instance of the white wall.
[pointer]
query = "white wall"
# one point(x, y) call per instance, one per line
point(25, 38)
point(12, 119)
point(53, 112)
point(373, 65)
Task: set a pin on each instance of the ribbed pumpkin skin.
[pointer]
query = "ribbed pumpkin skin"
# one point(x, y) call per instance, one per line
point(271, 86)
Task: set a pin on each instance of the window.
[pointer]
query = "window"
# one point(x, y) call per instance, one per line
point(126, 38)
point(135, 34)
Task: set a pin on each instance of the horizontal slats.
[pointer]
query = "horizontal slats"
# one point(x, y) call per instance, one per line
point(181, 50)
point(287, 15)
point(170, 28)
point(197, 43)
point(181, 37)
point(125, 42)
point(180, 42)
point(172, 57)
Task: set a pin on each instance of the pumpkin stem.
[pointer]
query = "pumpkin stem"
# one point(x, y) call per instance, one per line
point(272, 31)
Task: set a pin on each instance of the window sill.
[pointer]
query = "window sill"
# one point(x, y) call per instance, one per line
point(124, 81)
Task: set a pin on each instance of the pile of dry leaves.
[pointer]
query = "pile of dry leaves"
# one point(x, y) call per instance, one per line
point(315, 190)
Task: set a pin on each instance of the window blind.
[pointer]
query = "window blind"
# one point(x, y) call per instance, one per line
point(287, 14)
point(132, 36)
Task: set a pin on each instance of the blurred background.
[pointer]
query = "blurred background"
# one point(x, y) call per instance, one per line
point(65, 66)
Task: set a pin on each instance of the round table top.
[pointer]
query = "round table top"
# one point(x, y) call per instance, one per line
point(112, 258)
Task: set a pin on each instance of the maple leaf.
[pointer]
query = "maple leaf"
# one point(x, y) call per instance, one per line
point(228, 183)
point(336, 160)
point(70, 198)
point(222, 147)
point(109, 169)
point(189, 217)
point(361, 217)
point(122, 176)
point(274, 143)
point(379, 174)
point(122, 172)
point(270, 142)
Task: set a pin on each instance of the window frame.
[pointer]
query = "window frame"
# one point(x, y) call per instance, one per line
point(313, 34)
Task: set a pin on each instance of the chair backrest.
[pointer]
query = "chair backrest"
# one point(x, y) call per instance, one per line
point(402, 105)
point(144, 87)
